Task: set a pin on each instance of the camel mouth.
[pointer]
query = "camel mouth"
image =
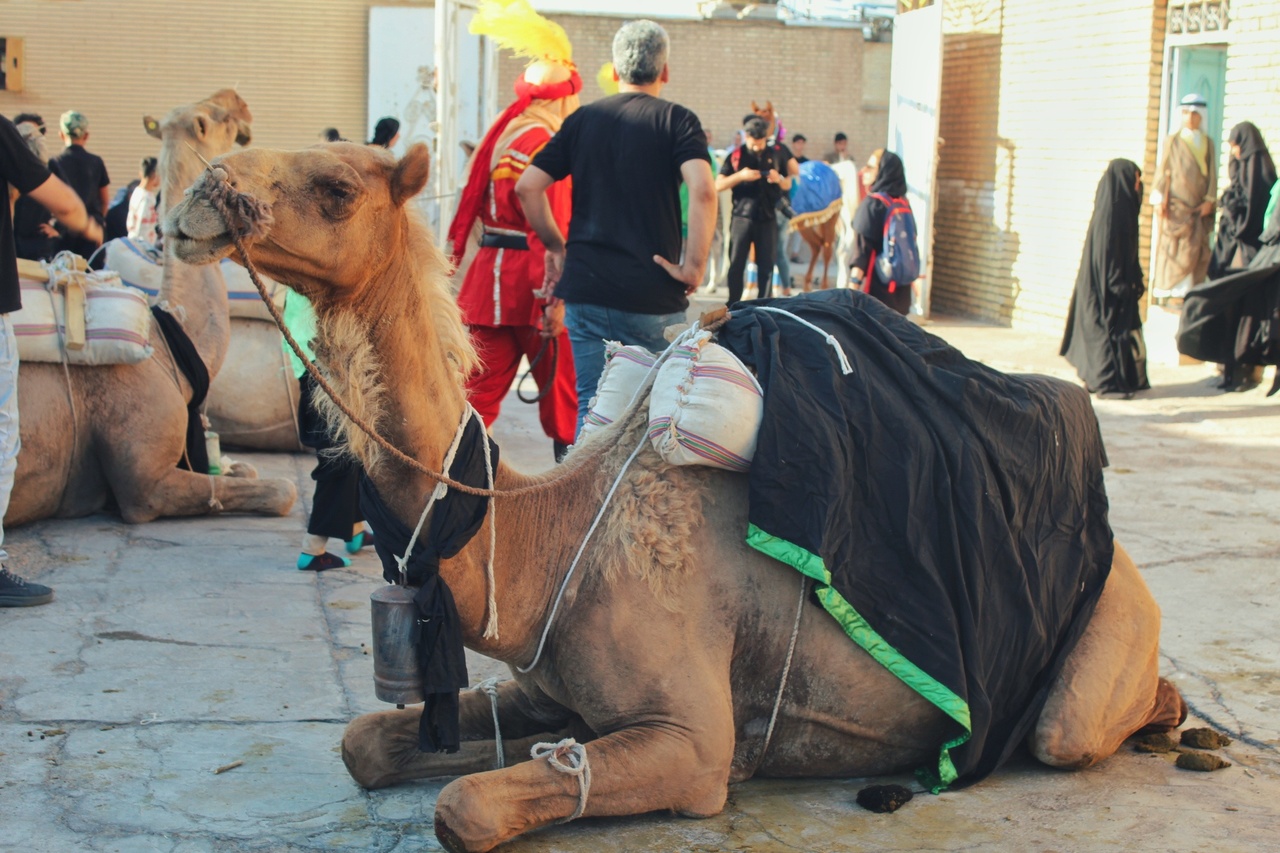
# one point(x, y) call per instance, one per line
point(199, 250)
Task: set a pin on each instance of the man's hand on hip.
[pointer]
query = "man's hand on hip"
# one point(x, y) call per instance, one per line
point(687, 275)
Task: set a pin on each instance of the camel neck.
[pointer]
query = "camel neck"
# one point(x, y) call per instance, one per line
point(197, 296)
point(418, 409)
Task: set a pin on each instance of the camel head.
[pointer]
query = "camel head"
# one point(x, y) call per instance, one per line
point(211, 127)
point(325, 219)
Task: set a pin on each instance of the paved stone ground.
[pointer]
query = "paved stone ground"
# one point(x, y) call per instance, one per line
point(179, 647)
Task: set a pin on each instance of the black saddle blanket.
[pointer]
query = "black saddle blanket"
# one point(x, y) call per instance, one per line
point(954, 517)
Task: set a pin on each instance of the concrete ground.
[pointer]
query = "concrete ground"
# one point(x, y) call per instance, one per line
point(177, 648)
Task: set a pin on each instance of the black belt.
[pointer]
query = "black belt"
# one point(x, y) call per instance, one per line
point(491, 240)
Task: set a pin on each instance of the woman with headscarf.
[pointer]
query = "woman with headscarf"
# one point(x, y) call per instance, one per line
point(868, 228)
point(1251, 174)
point(386, 132)
point(1103, 339)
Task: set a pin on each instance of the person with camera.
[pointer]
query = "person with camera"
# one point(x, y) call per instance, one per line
point(759, 173)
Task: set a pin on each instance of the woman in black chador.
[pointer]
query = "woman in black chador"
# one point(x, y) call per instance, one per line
point(1251, 173)
point(1104, 329)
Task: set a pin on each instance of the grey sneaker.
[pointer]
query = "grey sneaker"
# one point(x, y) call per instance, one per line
point(15, 592)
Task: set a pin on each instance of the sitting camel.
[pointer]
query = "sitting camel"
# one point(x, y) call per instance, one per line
point(90, 434)
point(666, 655)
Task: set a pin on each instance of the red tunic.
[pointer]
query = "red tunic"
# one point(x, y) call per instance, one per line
point(498, 303)
point(499, 285)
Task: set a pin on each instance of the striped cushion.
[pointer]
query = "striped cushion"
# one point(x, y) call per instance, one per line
point(624, 370)
point(117, 323)
point(705, 407)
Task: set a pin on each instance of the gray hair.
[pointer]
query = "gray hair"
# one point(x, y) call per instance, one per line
point(640, 52)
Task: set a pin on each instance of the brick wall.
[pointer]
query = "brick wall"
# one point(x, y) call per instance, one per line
point(302, 65)
point(1037, 99)
point(1253, 71)
point(821, 79)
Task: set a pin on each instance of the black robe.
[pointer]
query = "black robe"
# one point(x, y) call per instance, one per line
point(1103, 338)
point(1244, 202)
point(868, 229)
point(1235, 320)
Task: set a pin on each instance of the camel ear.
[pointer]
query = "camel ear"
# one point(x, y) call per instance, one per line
point(410, 174)
point(151, 126)
point(755, 108)
point(768, 105)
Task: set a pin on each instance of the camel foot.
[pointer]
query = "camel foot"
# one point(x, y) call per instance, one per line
point(242, 470)
point(1170, 710)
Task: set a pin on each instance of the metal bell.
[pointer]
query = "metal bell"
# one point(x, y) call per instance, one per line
point(396, 677)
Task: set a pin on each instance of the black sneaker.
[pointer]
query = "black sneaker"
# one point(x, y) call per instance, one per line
point(15, 592)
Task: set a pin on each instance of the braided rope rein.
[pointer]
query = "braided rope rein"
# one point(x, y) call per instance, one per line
point(246, 216)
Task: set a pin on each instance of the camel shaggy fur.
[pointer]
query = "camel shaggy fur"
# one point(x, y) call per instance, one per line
point(667, 654)
point(94, 434)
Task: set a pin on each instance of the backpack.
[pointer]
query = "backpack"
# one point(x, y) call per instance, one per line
point(899, 260)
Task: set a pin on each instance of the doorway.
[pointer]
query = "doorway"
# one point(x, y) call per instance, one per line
point(1201, 70)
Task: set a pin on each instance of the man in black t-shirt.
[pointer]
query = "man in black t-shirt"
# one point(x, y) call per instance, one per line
point(758, 173)
point(22, 170)
point(621, 276)
point(84, 172)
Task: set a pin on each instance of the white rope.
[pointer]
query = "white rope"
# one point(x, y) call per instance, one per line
point(436, 494)
point(576, 754)
point(786, 670)
point(845, 367)
point(490, 686)
point(644, 437)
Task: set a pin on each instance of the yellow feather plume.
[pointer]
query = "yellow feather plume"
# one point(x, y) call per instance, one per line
point(605, 78)
point(516, 26)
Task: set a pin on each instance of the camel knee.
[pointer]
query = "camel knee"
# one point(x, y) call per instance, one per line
point(705, 794)
point(375, 747)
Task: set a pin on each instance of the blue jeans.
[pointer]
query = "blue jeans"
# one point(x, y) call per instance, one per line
point(591, 325)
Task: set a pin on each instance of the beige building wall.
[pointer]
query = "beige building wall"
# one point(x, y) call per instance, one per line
point(300, 64)
point(821, 79)
point(1253, 71)
point(1037, 99)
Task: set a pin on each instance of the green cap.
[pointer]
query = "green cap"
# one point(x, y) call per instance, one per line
point(74, 124)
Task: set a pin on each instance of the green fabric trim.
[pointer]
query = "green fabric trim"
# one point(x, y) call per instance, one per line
point(804, 561)
point(861, 632)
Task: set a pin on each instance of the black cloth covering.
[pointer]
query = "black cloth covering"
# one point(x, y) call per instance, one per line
point(960, 511)
point(192, 366)
point(1244, 202)
point(455, 518)
point(1235, 320)
point(868, 230)
point(1103, 338)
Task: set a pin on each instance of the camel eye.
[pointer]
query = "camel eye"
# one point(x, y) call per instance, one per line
point(338, 198)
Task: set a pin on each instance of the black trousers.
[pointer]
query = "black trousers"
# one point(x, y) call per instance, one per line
point(335, 507)
point(743, 234)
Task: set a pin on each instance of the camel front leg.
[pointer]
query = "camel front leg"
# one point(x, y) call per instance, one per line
point(176, 492)
point(381, 749)
point(1109, 687)
point(636, 770)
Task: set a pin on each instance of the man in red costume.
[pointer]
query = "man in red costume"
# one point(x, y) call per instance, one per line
point(501, 295)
